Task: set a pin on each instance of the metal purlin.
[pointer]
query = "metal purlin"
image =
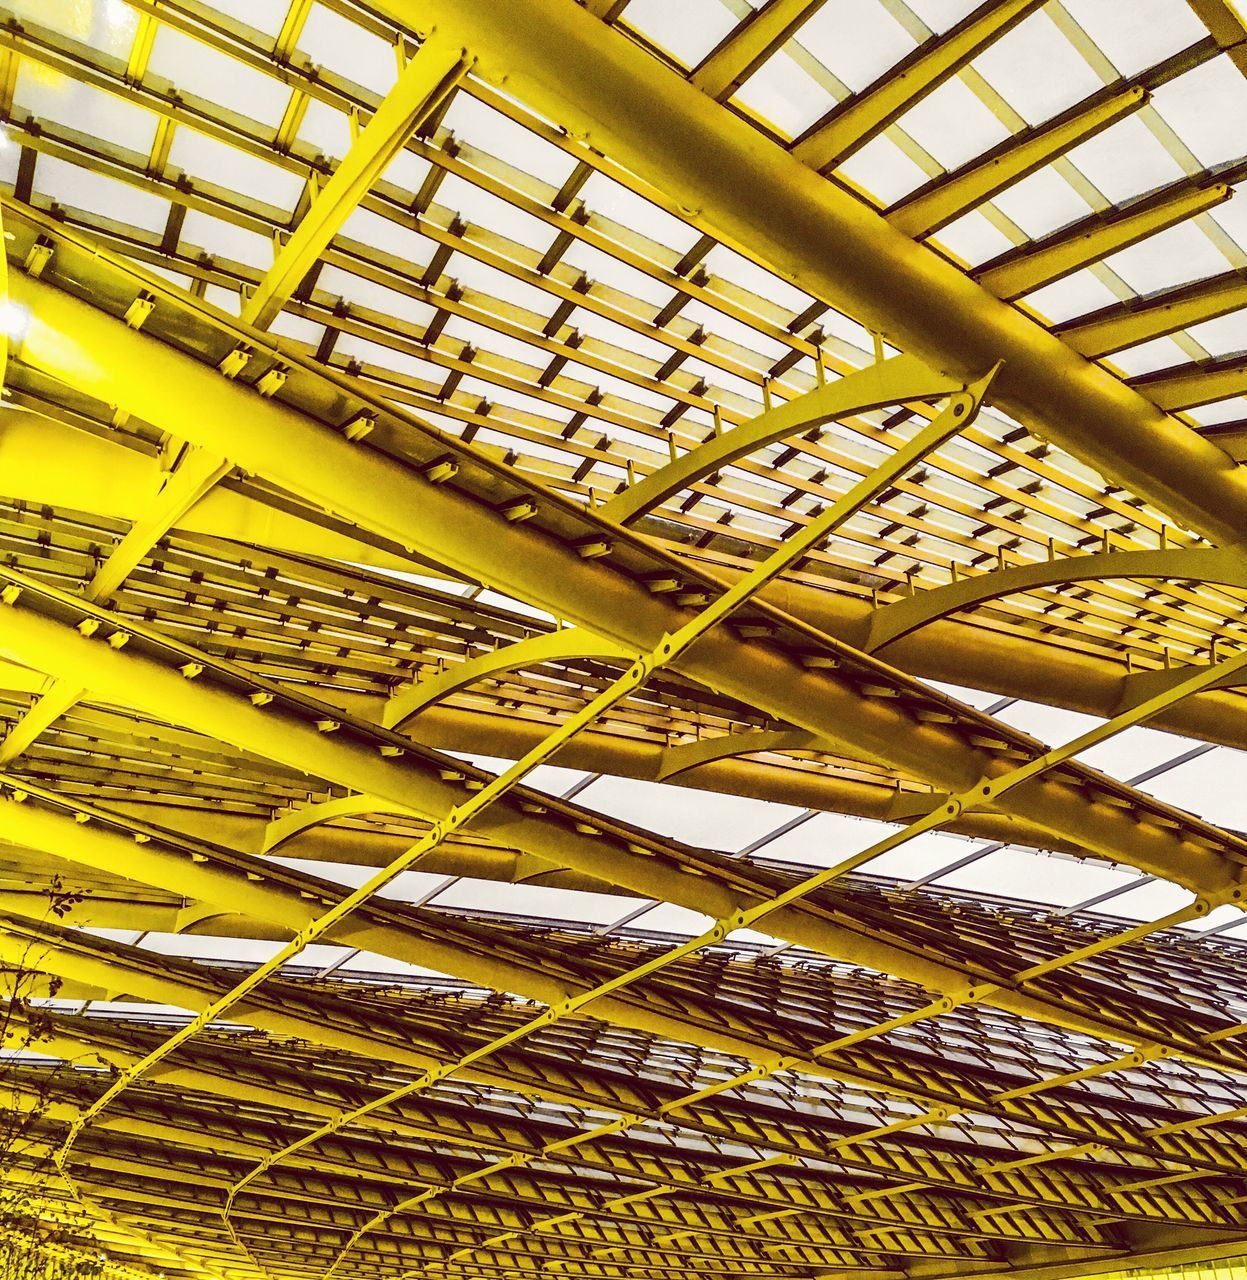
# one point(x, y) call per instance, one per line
point(982, 793)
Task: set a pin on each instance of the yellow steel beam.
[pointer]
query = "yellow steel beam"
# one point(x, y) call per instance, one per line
point(720, 929)
point(428, 78)
point(47, 464)
point(1126, 324)
point(1090, 240)
point(948, 197)
point(739, 54)
point(867, 114)
point(621, 101)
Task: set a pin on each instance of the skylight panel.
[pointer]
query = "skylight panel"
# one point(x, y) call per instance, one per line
point(939, 15)
point(953, 124)
point(1075, 295)
point(487, 129)
point(1206, 108)
point(407, 171)
point(973, 238)
point(537, 901)
point(327, 130)
point(611, 199)
point(79, 188)
point(389, 237)
point(1223, 336)
point(234, 169)
point(350, 346)
point(107, 25)
point(475, 205)
point(615, 274)
point(195, 67)
point(782, 93)
point(1176, 256)
point(225, 240)
point(923, 856)
point(1135, 751)
point(378, 297)
point(711, 820)
point(473, 274)
point(1214, 786)
point(1220, 411)
point(1159, 353)
point(675, 921)
point(50, 96)
point(266, 16)
point(589, 322)
point(1149, 901)
point(1125, 160)
point(1140, 34)
point(296, 328)
point(856, 40)
point(883, 171)
point(1036, 70)
point(765, 285)
point(1032, 876)
point(689, 30)
point(333, 41)
point(1041, 202)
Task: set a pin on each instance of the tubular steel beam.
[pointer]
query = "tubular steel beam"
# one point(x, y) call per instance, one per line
point(959, 412)
point(1198, 564)
point(867, 114)
point(422, 87)
point(889, 382)
point(617, 98)
point(99, 354)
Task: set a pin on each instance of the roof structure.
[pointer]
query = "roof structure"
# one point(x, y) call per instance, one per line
point(622, 631)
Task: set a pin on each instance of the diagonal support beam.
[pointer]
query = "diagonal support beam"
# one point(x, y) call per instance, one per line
point(422, 87)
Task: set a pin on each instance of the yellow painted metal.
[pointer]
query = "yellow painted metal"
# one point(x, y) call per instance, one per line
point(988, 789)
point(1203, 564)
point(615, 96)
point(76, 342)
point(731, 62)
point(1189, 386)
point(929, 209)
point(890, 382)
point(959, 412)
point(423, 85)
point(550, 646)
point(1127, 325)
point(869, 113)
point(1057, 256)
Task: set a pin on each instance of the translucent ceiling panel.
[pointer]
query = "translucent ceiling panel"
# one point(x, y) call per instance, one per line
point(1125, 161)
point(61, 99)
point(1212, 787)
point(1036, 70)
point(1176, 256)
point(1139, 34)
point(689, 30)
point(195, 67)
point(783, 94)
point(1206, 108)
point(534, 901)
point(334, 41)
point(696, 817)
point(953, 124)
point(856, 40)
point(107, 25)
point(1042, 202)
point(1028, 876)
